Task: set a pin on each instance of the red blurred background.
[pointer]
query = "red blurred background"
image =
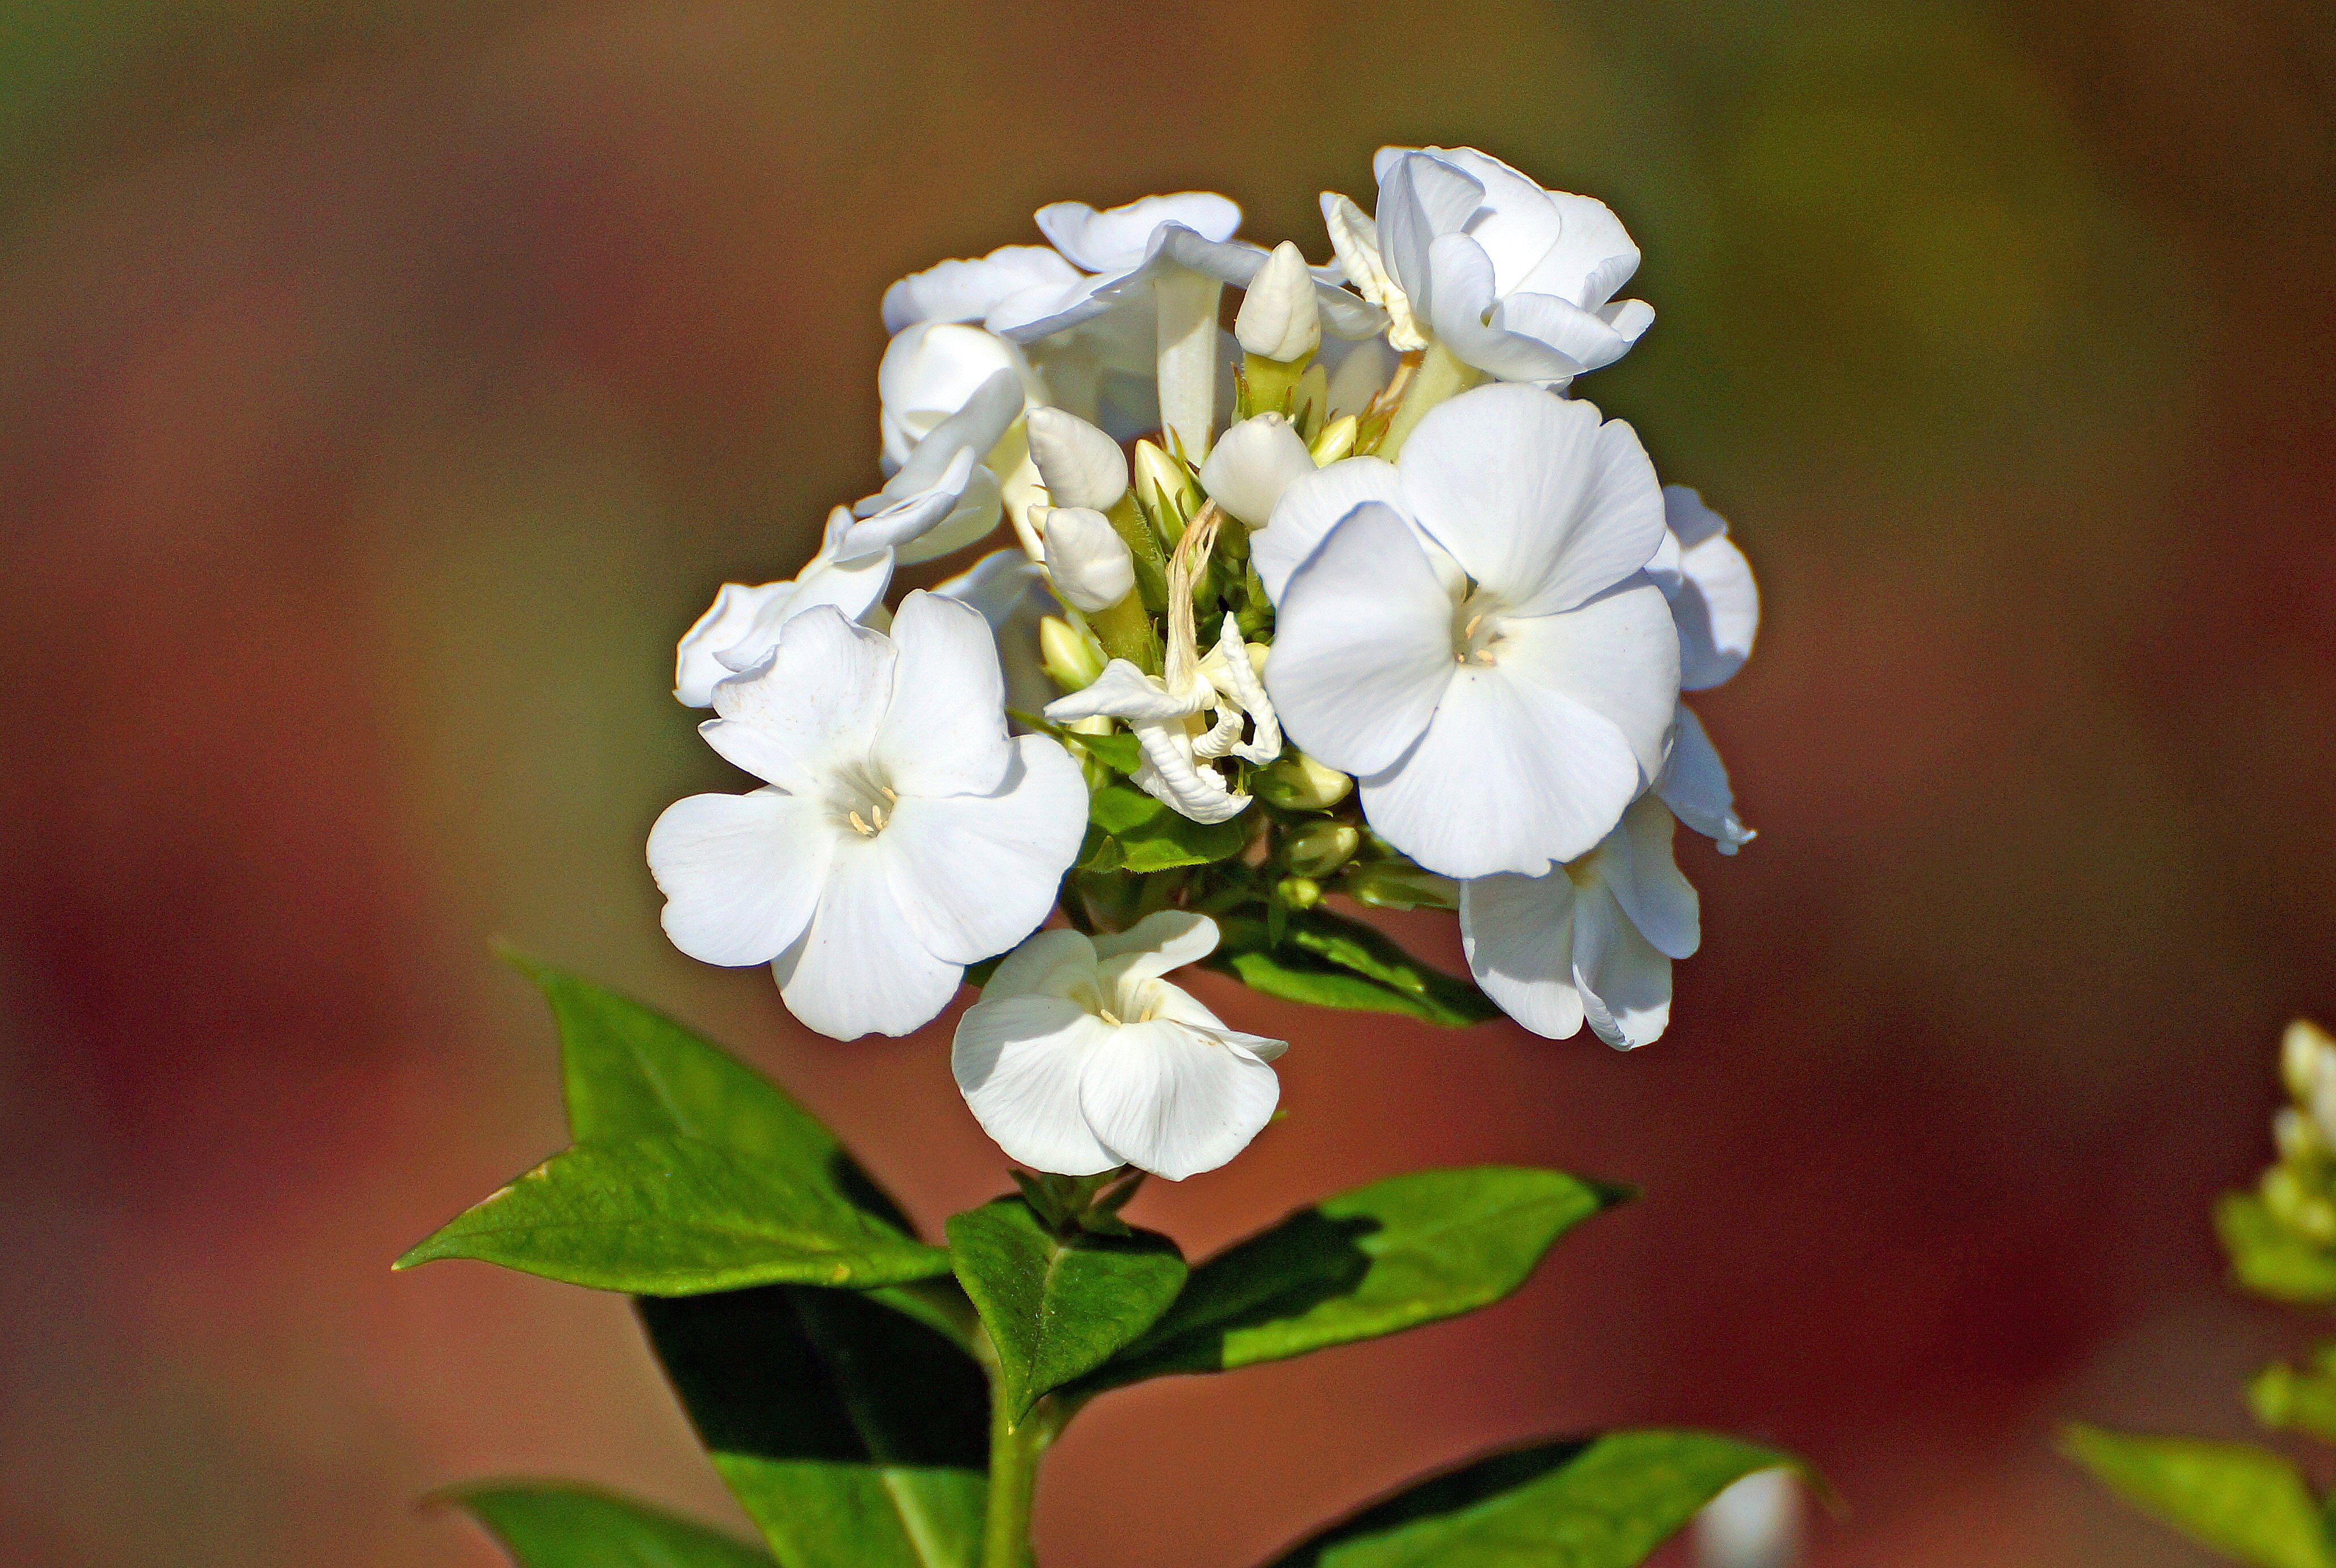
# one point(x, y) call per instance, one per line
point(384, 385)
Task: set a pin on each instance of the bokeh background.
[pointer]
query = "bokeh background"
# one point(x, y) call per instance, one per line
point(385, 384)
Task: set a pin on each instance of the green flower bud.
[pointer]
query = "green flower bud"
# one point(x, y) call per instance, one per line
point(1400, 885)
point(1296, 782)
point(1298, 893)
point(1072, 657)
point(1166, 491)
point(1337, 441)
point(1321, 848)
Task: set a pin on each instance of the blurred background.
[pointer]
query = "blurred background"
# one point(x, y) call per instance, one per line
point(386, 384)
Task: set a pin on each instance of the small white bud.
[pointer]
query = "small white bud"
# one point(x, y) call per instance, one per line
point(1087, 558)
point(1279, 319)
point(1080, 464)
point(1252, 465)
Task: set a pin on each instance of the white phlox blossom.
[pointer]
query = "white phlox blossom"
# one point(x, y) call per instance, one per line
point(902, 836)
point(742, 627)
point(1590, 940)
point(1716, 606)
point(1515, 281)
point(1180, 747)
point(947, 494)
point(1080, 1058)
point(1471, 634)
point(929, 372)
point(1009, 591)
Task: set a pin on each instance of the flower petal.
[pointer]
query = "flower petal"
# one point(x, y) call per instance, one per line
point(945, 731)
point(1121, 692)
point(741, 874)
point(1716, 603)
point(1052, 963)
point(813, 706)
point(1518, 932)
point(1508, 776)
point(858, 969)
point(1115, 238)
point(1616, 655)
point(1310, 507)
point(1533, 495)
point(1421, 197)
point(1252, 465)
point(1694, 784)
point(975, 874)
point(1468, 316)
point(1174, 1102)
point(1019, 1060)
point(1362, 650)
point(1640, 871)
point(1625, 983)
point(1162, 940)
point(968, 290)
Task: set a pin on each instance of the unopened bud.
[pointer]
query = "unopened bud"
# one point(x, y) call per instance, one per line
point(1279, 319)
point(1337, 441)
point(1399, 885)
point(1252, 466)
point(1321, 848)
point(1165, 491)
point(2295, 1137)
point(1089, 562)
point(2301, 1052)
point(1080, 464)
point(1074, 658)
point(1298, 893)
point(1296, 782)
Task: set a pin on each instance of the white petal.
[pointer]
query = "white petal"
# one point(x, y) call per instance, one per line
point(1090, 565)
point(1695, 785)
point(698, 664)
point(1639, 870)
point(890, 521)
point(1518, 932)
point(1362, 650)
point(858, 969)
point(1019, 1060)
point(1625, 983)
point(741, 874)
point(1593, 255)
point(976, 512)
point(1421, 197)
point(1616, 656)
point(977, 874)
point(813, 707)
point(1718, 603)
point(1360, 376)
point(1311, 506)
point(1583, 339)
point(945, 731)
point(1533, 495)
point(969, 290)
point(1121, 692)
point(1173, 1101)
point(1053, 963)
point(1468, 317)
point(1162, 940)
point(933, 370)
point(1115, 238)
point(1253, 464)
point(1518, 225)
point(1507, 777)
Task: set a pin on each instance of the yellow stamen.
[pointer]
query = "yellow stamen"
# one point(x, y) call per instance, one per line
point(861, 828)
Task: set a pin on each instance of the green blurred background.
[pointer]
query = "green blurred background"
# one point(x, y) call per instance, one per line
point(384, 387)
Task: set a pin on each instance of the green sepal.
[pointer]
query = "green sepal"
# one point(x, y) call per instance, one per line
point(853, 1436)
point(544, 1526)
point(2233, 1497)
point(1598, 1503)
point(672, 1216)
point(1378, 1260)
point(1152, 838)
point(1057, 1305)
point(2269, 1259)
point(1328, 960)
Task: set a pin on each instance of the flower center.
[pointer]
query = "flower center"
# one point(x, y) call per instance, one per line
point(862, 802)
point(1476, 629)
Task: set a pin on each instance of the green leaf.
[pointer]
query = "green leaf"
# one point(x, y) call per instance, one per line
point(1604, 1502)
point(1330, 962)
point(1151, 838)
point(2287, 1401)
point(631, 1072)
point(853, 1436)
point(2233, 1497)
point(548, 1526)
point(1117, 751)
point(2271, 1260)
point(1056, 1306)
point(668, 1216)
point(1382, 1258)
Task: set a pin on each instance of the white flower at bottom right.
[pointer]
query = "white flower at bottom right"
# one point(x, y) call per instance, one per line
point(1591, 941)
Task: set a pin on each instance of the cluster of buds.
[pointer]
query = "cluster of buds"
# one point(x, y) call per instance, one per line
point(2300, 1191)
point(1357, 600)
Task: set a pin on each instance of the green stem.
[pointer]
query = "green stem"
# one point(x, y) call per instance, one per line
point(1440, 375)
point(1014, 1452)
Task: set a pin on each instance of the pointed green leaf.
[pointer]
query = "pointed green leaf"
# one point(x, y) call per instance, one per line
point(2271, 1260)
point(668, 1216)
point(1605, 1502)
point(1329, 961)
point(1057, 1306)
point(1380, 1259)
point(631, 1072)
point(2233, 1497)
point(1152, 838)
point(853, 1436)
point(547, 1526)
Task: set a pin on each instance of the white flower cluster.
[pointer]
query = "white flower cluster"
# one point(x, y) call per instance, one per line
point(1409, 615)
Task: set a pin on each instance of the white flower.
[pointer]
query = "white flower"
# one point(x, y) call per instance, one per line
point(1247, 471)
point(1280, 319)
point(947, 495)
point(1471, 634)
point(970, 290)
point(1009, 591)
point(1516, 280)
point(1716, 606)
point(1091, 566)
point(1080, 464)
point(1163, 711)
point(740, 629)
point(904, 835)
point(929, 372)
point(1079, 1057)
point(1593, 939)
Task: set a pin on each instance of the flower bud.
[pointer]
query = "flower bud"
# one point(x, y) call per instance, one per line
point(1279, 319)
point(2295, 1137)
point(1298, 893)
point(1080, 464)
point(1087, 559)
point(1400, 885)
point(1074, 658)
point(1296, 782)
point(2300, 1053)
point(1165, 491)
point(1321, 848)
point(1337, 441)
point(1249, 468)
